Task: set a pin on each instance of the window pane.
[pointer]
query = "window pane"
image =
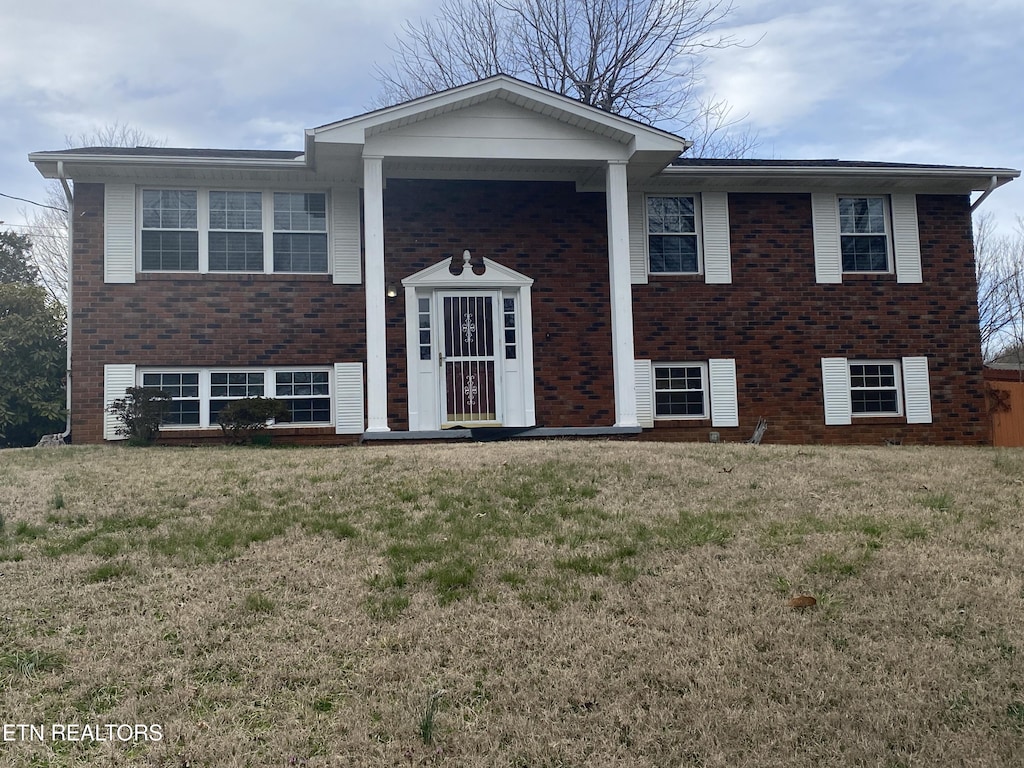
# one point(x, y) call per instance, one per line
point(671, 215)
point(236, 252)
point(673, 253)
point(679, 403)
point(169, 208)
point(865, 253)
point(300, 253)
point(236, 210)
point(309, 410)
point(864, 215)
point(874, 401)
point(182, 412)
point(303, 212)
point(174, 251)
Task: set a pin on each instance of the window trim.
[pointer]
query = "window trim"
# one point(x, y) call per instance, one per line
point(204, 229)
point(704, 389)
point(890, 252)
point(269, 389)
point(697, 232)
point(897, 386)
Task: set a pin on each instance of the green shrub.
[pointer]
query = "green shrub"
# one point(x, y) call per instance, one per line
point(140, 413)
point(243, 420)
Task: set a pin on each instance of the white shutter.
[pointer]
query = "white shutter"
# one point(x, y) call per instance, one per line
point(722, 380)
point(119, 233)
point(835, 378)
point(644, 375)
point(906, 241)
point(637, 238)
point(916, 390)
point(348, 399)
point(825, 215)
point(345, 236)
point(116, 381)
point(715, 222)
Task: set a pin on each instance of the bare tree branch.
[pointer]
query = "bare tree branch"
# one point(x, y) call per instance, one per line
point(999, 266)
point(48, 226)
point(638, 58)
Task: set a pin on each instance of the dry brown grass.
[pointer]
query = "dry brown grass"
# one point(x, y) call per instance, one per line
point(524, 604)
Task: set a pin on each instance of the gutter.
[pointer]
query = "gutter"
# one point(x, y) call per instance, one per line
point(71, 239)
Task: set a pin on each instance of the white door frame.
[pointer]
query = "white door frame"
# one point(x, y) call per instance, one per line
point(513, 320)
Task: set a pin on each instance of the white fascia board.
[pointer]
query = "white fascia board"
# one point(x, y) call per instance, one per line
point(76, 166)
point(967, 179)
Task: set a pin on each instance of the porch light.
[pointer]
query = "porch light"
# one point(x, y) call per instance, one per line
point(391, 291)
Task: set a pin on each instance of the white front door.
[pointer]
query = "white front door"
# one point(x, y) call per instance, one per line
point(469, 347)
point(469, 367)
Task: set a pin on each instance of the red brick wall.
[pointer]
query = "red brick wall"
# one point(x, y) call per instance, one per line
point(546, 231)
point(778, 324)
point(197, 320)
point(774, 319)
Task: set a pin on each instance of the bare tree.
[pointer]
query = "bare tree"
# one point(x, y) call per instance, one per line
point(638, 58)
point(999, 264)
point(48, 224)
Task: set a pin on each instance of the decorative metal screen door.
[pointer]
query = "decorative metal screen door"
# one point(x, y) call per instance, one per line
point(468, 362)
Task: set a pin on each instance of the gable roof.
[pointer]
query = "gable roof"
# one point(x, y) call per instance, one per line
point(356, 130)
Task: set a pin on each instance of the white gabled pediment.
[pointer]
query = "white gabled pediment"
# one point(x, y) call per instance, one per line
point(494, 275)
point(498, 118)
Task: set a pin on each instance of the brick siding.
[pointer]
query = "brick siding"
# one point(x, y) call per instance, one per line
point(773, 319)
point(778, 324)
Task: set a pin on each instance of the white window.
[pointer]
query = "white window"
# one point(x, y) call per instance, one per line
point(680, 391)
point(183, 387)
point(200, 230)
point(226, 386)
point(236, 232)
point(876, 388)
point(864, 237)
point(866, 234)
point(673, 245)
point(170, 230)
point(300, 232)
point(306, 393)
point(198, 395)
point(697, 390)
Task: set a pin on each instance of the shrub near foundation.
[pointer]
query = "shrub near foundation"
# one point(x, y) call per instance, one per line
point(243, 421)
point(140, 413)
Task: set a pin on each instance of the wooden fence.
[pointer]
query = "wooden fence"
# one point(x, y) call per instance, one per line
point(1006, 404)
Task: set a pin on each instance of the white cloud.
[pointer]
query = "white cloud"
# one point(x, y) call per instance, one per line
point(797, 61)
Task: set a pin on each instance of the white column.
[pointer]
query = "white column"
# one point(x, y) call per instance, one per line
point(621, 295)
point(376, 327)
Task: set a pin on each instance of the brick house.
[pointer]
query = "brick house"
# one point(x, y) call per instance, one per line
point(500, 256)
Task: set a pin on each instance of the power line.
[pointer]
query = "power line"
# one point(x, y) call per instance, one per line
point(33, 202)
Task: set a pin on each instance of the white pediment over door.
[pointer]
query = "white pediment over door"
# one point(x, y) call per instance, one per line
point(493, 275)
point(499, 298)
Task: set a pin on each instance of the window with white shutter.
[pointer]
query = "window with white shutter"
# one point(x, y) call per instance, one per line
point(855, 389)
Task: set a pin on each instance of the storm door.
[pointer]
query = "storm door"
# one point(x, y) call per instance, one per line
point(468, 364)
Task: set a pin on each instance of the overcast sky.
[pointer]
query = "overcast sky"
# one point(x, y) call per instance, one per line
point(916, 81)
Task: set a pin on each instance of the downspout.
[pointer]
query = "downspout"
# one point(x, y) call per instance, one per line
point(991, 188)
point(71, 239)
